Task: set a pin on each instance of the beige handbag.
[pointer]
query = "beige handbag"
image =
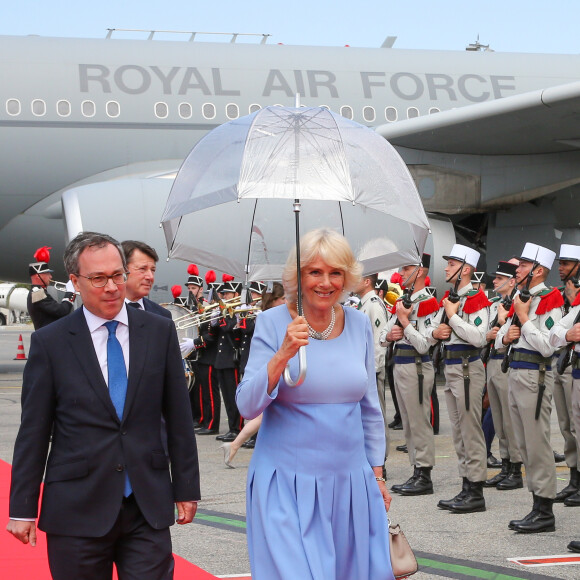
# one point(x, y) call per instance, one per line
point(403, 561)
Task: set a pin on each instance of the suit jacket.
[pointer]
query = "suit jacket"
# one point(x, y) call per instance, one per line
point(83, 483)
point(151, 306)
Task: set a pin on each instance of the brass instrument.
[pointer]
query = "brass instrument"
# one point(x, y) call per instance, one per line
point(393, 294)
point(60, 286)
point(247, 311)
point(196, 318)
point(179, 313)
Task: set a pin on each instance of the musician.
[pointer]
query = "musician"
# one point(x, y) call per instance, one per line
point(226, 360)
point(510, 476)
point(42, 307)
point(414, 375)
point(567, 333)
point(194, 287)
point(531, 381)
point(246, 324)
point(141, 264)
point(568, 265)
point(464, 336)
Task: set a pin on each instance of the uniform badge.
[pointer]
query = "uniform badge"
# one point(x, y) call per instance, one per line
point(477, 321)
point(427, 322)
point(549, 323)
point(377, 322)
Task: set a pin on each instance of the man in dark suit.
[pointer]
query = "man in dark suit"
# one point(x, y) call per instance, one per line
point(141, 264)
point(108, 491)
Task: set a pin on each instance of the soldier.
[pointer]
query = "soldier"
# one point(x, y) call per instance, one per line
point(376, 310)
point(195, 287)
point(463, 336)
point(566, 333)
point(510, 476)
point(42, 307)
point(246, 324)
point(414, 375)
point(531, 380)
point(568, 264)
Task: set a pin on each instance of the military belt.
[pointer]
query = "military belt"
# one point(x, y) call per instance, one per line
point(532, 358)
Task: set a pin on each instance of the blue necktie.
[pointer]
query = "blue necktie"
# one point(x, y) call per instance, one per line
point(117, 379)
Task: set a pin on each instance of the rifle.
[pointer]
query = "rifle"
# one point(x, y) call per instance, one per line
point(406, 300)
point(453, 298)
point(524, 297)
point(568, 355)
point(507, 304)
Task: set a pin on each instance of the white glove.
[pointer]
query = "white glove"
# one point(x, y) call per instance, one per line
point(70, 287)
point(186, 345)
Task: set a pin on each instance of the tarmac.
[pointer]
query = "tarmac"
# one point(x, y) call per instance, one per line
point(447, 545)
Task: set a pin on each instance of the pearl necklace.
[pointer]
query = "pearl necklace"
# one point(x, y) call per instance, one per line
point(326, 332)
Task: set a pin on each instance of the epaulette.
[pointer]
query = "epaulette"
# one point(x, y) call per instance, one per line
point(546, 291)
point(576, 300)
point(38, 294)
point(427, 306)
point(444, 296)
point(475, 301)
point(495, 299)
point(549, 300)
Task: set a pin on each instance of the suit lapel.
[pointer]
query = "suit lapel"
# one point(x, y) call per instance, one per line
point(81, 345)
point(138, 345)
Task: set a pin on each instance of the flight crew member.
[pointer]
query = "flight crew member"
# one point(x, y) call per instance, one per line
point(413, 373)
point(376, 310)
point(227, 359)
point(510, 476)
point(568, 265)
point(565, 334)
point(464, 336)
point(531, 382)
point(141, 264)
point(42, 307)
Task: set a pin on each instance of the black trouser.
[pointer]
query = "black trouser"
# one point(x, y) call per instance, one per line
point(195, 395)
point(228, 381)
point(210, 396)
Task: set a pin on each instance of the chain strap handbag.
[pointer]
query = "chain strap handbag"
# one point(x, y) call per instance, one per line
point(403, 561)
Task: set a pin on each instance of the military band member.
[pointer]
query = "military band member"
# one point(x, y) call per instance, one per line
point(42, 307)
point(464, 336)
point(510, 476)
point(568, 263)
point(194, 286)
point(246, 324)
point(565, 334)
point(376, 310)
point(531, 382)
point(414, 375)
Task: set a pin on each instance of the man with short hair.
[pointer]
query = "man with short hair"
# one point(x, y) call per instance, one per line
point(531, 381)
point(98, 380)
point(141, 264)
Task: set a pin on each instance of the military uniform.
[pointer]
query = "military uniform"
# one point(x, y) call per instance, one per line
point(413, 376)
point(531, 384)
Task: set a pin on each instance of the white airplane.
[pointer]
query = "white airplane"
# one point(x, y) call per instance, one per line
point(93, 132)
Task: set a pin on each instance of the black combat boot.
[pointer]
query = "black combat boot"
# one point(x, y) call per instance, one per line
point(514, 478)
point(573, 500)
point(541, 521)
point(472, 501)
point(572, 487)
point(422, 485)
point(445, 503)
point(505, 466)
point(512, 525)
point(397, 487)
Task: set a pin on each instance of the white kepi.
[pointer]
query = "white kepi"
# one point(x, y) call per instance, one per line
point(534, 253)
point(460, 253)
point(569, 252)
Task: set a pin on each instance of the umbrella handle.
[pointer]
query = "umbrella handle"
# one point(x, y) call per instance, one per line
point(301, 369)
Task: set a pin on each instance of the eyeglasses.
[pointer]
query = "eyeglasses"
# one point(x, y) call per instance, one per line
point(101, 281)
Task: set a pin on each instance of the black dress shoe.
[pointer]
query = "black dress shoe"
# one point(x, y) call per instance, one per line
point(559, 457)
point(573, 500)
point(206, 431)
point(197, 424)
point(492, 462)
point(395, 424)
point(229, 436)
point(402, 448)
point(574, 546)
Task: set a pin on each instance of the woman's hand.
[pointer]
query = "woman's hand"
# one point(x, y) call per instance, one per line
point(295, 337)
point(385, 493)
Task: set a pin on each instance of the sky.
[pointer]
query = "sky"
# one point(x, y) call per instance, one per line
point(506, 25)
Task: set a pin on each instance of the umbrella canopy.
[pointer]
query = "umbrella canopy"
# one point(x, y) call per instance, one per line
point(231, 205)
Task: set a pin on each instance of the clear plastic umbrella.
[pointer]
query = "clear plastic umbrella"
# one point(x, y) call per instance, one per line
point(231, 205)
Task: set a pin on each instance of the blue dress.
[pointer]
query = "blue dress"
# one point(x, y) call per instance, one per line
point(314, 509)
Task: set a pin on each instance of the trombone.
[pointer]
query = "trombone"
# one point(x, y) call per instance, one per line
point(60, 286)
point(196, 318)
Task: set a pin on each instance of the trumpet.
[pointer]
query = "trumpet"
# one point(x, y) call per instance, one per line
point(60, 286)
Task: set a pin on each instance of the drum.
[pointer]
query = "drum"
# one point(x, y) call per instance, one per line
point(180, 313)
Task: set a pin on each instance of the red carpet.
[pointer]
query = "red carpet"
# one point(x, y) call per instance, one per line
point(22, 562)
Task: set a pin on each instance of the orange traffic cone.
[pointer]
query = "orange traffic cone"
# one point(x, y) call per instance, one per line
point(20, 354)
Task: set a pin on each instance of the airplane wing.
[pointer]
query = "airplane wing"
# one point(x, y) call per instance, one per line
point(543, 121)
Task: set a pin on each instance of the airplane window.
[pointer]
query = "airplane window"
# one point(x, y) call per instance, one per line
point(232, 111)
point(113, 109)
point(38, 108)
point(433, 110)
point(13, 107)
point(412, 112)
point(185, 110)
point(346, 112)
point(88, 108)
point(391, 114)
point(321, 106)
point(253, 108)
point(208, 110)
point(161, 110)
point(369, 114)
point(63, 108)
